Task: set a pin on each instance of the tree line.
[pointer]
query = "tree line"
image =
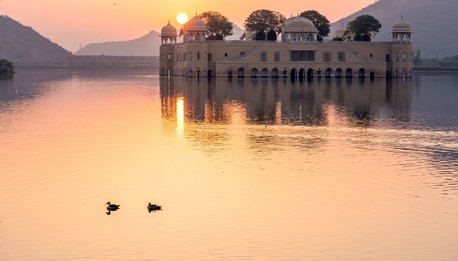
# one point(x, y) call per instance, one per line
point(266, 25)
point(6, 69)
point(445, 62)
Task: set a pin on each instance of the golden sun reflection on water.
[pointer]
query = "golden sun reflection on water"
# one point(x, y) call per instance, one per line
point(235, 112)
point(180, 117)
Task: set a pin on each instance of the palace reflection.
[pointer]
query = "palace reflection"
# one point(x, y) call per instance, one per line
point(321, 102)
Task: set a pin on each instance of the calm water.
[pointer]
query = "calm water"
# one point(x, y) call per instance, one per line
point(245, 170)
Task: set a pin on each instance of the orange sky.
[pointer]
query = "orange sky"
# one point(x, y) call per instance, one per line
point(74, 22)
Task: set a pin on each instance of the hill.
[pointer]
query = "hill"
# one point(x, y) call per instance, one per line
point(237, 32)
point(147, 45)
point(433, 23)
point(25, 47)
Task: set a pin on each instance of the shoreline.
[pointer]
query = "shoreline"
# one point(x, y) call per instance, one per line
point(435, 69)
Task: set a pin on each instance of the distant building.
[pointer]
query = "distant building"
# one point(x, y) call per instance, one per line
point(299, 54)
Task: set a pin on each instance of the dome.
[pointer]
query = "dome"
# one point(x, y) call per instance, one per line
point(298, 24)
point(196, 24)
point(169, 30)
point(341, 32)
point(402, 26)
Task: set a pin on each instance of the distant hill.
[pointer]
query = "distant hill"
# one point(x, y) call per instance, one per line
point(433, 22)
point(237, 32)
point(25, 47)
point(147, 45)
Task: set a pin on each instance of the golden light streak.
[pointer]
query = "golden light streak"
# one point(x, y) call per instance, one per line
point(180, 117)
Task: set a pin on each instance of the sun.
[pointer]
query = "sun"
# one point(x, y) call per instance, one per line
point(182, 18)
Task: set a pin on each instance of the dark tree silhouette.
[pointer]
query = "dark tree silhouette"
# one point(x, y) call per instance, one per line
point(218, 25)
point(264, 20)
point(364, 27)
point(320, 21)
point(6, 69)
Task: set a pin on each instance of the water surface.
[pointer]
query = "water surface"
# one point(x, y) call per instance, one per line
point(248, 169)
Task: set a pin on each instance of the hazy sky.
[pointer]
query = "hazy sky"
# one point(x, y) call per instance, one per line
point(74, 22)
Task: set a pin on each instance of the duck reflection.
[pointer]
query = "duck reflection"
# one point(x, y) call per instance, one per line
point(153, 207)
point(281, 101)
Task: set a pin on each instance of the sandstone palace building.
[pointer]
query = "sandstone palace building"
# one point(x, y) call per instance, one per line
point(298, 54)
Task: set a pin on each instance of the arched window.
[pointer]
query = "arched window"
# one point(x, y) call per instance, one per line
point(310, 37)
point(241, 73)
point(293, 73)
point(254, 73)
point(328, 73)
point(265, 73)
point(339, 73)
point(275, 73)
point(362, 73)
point(349, 73)
point(302, 74)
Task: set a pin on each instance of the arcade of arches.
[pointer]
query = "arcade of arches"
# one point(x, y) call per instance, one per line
point(302, 73)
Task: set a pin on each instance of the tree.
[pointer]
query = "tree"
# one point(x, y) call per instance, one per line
point(320, 21)
point(417, 59)
point(6, 69)
point(364, 27)
point(218, 25)
point(449, 62)
point(264, 20)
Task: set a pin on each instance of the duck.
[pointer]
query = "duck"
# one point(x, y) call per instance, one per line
point(112, 207)
point(153, 207)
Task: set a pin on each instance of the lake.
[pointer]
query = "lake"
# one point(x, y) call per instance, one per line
point(245, 169)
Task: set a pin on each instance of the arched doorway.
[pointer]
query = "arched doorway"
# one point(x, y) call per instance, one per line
point(293, 73)
point(229, 74)
point(362, 73)
point(328, 73)
point(372, 75)
point(241, 73)
point(275, 73)
point(349, 73)
point(301, 74)
point(310, 73)
point(265, 73)
point(339, 73)
point(254, 73)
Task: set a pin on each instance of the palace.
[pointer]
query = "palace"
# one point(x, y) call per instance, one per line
point(298, 54)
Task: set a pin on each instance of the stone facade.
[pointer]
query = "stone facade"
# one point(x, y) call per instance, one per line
point(298, 55)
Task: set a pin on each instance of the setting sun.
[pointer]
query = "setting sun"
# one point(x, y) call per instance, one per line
point(182, 18)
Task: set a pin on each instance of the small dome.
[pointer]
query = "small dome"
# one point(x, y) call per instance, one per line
point(340, 32)
point(402, 26)
point(169, 30)
point(196, 24)
point(298, 25)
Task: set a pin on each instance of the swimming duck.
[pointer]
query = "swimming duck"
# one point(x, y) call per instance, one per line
point(153, 207)
point(112, 207)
